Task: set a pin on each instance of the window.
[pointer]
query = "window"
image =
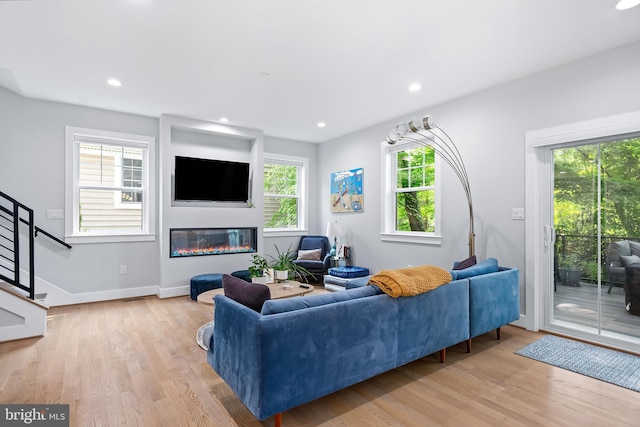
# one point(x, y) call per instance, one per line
point(109, 194)
point(410, 203)
point(285, 193)
point(131, 177)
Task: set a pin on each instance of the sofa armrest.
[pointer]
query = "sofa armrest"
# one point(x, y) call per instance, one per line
point(494, 300)
point(236, 330)
point(326, 262)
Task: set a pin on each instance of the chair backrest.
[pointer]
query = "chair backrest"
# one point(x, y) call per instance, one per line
point(315, 242)
point(614, 251)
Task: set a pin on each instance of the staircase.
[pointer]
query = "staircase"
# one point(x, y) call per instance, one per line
point(23, 313)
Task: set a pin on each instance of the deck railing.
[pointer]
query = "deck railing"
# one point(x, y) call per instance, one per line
point(580, 250)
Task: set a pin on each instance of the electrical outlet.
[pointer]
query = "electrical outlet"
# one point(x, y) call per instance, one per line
point(123, 269)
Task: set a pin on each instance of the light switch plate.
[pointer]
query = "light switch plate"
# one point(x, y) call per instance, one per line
point(517, 213)
point(55, 214)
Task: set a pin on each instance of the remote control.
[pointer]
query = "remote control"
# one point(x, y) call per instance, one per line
point(305, 286)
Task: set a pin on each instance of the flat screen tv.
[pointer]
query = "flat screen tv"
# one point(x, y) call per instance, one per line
point(206, 180)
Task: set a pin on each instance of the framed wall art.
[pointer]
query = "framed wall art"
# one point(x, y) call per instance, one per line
point(346, 191)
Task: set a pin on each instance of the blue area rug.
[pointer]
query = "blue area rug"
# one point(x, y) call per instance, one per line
point(607, 365)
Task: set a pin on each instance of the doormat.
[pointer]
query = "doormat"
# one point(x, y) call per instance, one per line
point(607, 365)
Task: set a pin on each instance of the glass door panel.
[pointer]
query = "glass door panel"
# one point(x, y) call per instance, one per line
point(596, 201)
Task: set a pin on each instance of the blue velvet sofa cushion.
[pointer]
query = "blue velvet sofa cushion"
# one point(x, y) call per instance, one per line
point(292, 304)
point(447, 306)
point(489, 265)
point(248, 294)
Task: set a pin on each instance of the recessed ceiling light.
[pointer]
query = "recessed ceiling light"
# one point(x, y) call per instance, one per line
point(114, 82)
point(627, 4)
point(414, 87)
point(265, 75)
point(321, 124)
point(224, 120)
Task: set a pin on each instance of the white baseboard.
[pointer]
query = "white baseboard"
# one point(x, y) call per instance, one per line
point(178, 291)
point(57, 296)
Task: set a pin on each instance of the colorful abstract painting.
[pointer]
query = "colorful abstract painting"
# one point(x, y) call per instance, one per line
point(346, 191)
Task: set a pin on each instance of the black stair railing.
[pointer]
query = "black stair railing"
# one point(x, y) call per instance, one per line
point(12, 214)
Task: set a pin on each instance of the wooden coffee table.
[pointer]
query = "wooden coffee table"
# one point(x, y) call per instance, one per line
point(277, 291)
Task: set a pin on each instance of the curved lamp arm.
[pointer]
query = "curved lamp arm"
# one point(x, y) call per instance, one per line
point(425, 133)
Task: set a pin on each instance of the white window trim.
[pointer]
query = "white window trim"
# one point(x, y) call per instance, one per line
point(71, 186)
point(388, 232)
point(303, 195)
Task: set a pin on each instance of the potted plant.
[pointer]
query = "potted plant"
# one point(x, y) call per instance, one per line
point(282, 263)
point(570, 270)
point(257, 269)
point(284, 266)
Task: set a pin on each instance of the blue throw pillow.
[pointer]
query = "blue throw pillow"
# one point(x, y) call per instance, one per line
point(251, 295)
point(489, 265)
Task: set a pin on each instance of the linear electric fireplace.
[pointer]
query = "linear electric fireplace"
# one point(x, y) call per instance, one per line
point(212, 241)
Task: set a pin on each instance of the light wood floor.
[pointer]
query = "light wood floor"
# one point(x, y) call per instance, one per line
point(136, 363)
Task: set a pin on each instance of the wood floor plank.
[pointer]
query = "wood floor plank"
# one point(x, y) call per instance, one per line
point(136, 363)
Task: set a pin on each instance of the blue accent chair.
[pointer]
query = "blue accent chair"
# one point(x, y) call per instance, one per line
point(316, 267)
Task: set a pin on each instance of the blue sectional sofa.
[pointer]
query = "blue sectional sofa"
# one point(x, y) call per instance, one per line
point(299, 349)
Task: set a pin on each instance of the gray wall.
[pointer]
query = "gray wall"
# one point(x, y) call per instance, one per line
point(32, 171)
point(489, 129)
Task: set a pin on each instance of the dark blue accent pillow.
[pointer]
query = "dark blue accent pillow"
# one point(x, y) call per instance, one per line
point(465, 263)
point(251, 295)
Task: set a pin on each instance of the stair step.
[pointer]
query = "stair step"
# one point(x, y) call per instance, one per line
point(22, 294)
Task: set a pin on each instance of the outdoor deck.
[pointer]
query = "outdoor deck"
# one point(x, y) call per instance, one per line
point(578, 304)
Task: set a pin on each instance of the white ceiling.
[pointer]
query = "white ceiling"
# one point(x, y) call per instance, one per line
point(346, 62)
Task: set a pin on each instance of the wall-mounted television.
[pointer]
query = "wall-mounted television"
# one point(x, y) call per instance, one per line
point(207, 180)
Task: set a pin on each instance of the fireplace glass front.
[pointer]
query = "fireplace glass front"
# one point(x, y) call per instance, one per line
point(186, 242)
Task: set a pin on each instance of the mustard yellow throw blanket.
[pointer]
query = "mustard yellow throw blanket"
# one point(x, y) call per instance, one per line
point(405, 282)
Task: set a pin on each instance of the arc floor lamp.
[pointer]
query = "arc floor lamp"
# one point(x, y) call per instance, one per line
point(425, 133)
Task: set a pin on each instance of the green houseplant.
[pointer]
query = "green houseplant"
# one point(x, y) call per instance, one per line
point(257, 269)
point(570, 270)
point(284, 267)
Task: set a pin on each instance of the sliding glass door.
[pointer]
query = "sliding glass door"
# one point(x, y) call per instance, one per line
point(596, 218)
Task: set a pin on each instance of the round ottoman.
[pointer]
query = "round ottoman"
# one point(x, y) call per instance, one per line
point(242, 274)
point(203, 283)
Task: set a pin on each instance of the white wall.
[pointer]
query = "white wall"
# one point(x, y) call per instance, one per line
point(489, 129)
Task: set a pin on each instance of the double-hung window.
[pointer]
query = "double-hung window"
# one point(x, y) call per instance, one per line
point(411, 196)
point(285, 193)
point(109, 186)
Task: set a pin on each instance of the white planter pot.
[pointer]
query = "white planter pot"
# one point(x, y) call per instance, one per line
point(282, 274)
point(260, 280)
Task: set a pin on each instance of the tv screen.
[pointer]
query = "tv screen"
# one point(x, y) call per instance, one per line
point(210, 180)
